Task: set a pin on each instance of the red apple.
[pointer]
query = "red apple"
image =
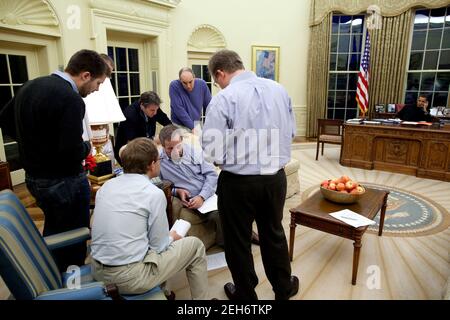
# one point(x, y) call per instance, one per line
point(360, 189)
point(344, 179)
point(332, 186)
point(349, 185)
point(354, 191)
point(340, 186)
point(325, 183)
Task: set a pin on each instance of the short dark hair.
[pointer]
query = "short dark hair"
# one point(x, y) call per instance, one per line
point(108, 60)
point(138, 154)
point(422, 95)
point(167, 133)
point(149, 97)
point(87, 60)
point(226, 60)
point(185, 69)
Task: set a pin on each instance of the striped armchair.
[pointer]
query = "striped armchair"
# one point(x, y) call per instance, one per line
point(27, 266)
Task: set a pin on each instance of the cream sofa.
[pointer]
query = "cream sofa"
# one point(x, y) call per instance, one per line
point(204, 230)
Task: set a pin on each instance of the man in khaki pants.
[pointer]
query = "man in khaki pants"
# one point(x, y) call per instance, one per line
point(131, 243)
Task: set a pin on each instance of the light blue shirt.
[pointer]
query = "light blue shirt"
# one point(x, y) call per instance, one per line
point(190, 172)
point(249, 126)
point(68, 78)
point(129, 219)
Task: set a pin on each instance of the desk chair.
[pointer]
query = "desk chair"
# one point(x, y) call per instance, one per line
point(27, 266)
point(329, 131)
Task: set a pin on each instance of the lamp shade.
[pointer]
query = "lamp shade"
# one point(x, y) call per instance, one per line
point(102, 106)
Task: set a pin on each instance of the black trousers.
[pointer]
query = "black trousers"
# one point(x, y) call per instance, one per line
point(260, 198)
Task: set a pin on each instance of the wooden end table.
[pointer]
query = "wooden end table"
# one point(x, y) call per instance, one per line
point(314, 213)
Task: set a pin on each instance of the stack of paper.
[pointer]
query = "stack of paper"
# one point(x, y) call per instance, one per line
point(209, 205)
point(352, 218)
point(216, 261)
point(181, 227)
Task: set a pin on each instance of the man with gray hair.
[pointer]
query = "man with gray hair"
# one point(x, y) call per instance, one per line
point(248, 132)
point(188, 97)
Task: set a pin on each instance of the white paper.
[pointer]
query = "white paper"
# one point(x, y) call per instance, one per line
point(216, 261)
point(352, 218)
point(209, 205)
point(409, 122)
point(181, 227)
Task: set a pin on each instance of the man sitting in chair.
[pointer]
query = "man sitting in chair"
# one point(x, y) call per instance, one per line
point(195, 179)
point(131, 243)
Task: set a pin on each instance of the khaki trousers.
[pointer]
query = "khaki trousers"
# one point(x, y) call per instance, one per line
point(156, 268)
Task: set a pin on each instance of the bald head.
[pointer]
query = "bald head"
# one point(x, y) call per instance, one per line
point(187, 76)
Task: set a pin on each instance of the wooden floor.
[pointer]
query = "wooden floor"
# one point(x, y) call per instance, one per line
point(408, 267)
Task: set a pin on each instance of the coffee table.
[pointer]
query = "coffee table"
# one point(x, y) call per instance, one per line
point(314, 213)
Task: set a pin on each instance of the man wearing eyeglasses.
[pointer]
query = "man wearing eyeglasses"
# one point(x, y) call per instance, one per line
point(189, 96)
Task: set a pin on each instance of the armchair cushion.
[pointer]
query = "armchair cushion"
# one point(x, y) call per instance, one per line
point(90, 291)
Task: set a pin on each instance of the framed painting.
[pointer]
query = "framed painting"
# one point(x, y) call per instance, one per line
point(266, 61)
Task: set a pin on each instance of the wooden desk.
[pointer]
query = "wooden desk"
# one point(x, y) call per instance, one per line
point(314, 213)
point(423, 151)
point(166, 187)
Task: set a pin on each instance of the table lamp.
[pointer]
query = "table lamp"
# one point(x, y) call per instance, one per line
point(102, 109)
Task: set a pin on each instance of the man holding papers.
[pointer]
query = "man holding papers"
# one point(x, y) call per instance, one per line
point(195, 180)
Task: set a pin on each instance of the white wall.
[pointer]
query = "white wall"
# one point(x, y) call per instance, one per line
point(281, 23)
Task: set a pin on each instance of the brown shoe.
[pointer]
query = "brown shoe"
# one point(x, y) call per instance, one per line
point(230, 291)
point(255, 238)
point(170, 296)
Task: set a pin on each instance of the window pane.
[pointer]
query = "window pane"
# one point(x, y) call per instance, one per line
point(356, 43)
point(437, 18)
point(442, 81)
point(341, 82)
point(111, 52)
point(351, 99)
point(415, 61)
point(418, 41)
point(444, 61)
point(440, 99)
point(197, 70)
point(4, 75)
point(339, 113)
point(334, 41)
point(352, 81)
point(344, 26)
point(335, 25)
point(342, 62)
point(330, 114)
point(344, 42)
point(330, 99)
point(427, 81)
point(340, 99)
point(413, 81)
point(333, 58)
point(357, 24)
point(332, 82)
point(121, 59)
point(446, 39)
point(5, 95)
point(123, 103)
point(431, 59)
point(351, 114)
point(134, 84)
point(113, 82)
point(411, 97)
point(434, 39)
point(122, 82)
point(354, 62)
point(18, 67)
point(421, 20)
point(133, 59)
point(206, 75)
point(447, 19)
point(16, 89)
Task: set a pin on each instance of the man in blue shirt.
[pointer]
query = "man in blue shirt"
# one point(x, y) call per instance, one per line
point(248, 131)
point(195, 180)
point(188, 97)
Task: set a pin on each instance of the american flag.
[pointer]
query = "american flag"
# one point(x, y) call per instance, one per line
point(362, 88)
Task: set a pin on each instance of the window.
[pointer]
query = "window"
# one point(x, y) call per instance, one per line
point(429, 60)
point(201, 72)
point(345, 55)
point(13, 73)
point(125, 78)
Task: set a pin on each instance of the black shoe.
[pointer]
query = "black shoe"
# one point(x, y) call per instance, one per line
point(255, 238)
point(170, 296)
point(295, 283)
point(230, 291)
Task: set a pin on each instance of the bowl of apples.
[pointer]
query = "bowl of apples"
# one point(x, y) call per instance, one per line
point(342, 190)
